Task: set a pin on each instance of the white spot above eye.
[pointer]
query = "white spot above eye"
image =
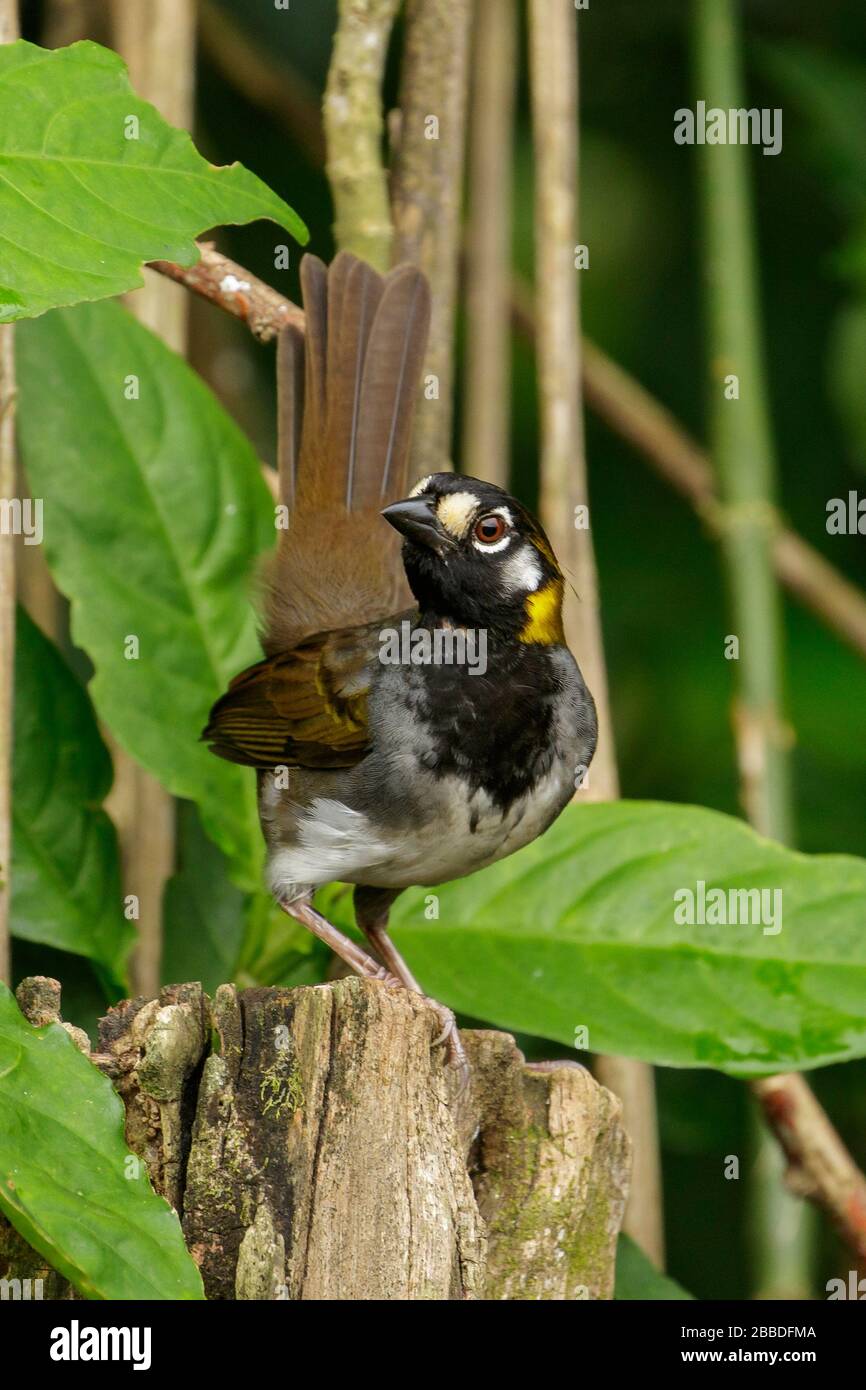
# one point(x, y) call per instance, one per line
point(421, 486)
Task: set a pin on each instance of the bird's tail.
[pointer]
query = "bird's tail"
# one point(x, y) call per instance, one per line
point(347, 390)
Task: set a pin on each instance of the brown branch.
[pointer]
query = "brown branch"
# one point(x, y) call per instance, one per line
point(228, 285)
point(426, 194)
point(820, 1167)
point(488, 243)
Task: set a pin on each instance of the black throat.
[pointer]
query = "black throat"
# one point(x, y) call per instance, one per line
point(493, 730)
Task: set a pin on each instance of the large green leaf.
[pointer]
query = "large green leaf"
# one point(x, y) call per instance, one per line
point(578, 931)
point(68, 1182)
point(154, 511)
point(637, 1278)
point(93, 182)
point(66, 889)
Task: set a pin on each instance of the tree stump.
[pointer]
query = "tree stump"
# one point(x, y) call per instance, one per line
point(316, 1147)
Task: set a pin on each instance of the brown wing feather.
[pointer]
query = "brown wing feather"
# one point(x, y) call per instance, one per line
point(304, 708)
point(290, 373)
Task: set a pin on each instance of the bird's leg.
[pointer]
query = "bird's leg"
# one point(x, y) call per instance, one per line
point(372, 907)
point(343, 946)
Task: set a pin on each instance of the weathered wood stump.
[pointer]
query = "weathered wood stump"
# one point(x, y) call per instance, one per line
point(315, 1147)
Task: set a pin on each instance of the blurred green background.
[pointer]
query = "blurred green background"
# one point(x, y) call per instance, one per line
point(663, 598)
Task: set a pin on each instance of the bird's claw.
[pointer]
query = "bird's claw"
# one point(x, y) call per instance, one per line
point(450, 1036)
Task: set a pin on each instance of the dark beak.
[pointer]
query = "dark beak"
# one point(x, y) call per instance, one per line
point(416, 520)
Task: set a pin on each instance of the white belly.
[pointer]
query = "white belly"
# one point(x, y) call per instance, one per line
point(335, 843)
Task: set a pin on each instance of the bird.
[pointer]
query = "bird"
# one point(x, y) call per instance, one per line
point(417, 714)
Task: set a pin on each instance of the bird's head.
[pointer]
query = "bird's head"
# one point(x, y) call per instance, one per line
point(475, 556)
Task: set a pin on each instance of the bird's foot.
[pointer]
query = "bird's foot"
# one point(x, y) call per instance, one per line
point(454, 1049)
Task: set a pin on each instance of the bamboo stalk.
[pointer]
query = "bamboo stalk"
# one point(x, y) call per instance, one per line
point(354, 129)
point(8, 481)
point(745, 465)
point(426, 193)
point(158, 44)
point(564, 489)
point(488, 243)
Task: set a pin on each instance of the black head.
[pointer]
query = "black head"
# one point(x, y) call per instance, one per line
point(476, 556)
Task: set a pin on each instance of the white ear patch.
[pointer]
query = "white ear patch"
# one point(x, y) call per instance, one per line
point(455, 511)
point(521, 572)
point(421, 486)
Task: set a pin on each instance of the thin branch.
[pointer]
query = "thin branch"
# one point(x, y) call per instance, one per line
point(488, 242)
point(236, 290)
point(8, 477)
point(819, 1165)
point(354, 129)
point(426, 193)
point(564, 501)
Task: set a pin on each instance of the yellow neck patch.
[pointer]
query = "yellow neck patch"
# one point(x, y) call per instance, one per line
point(543, 609)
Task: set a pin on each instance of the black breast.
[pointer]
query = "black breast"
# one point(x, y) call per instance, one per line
point(494, 731)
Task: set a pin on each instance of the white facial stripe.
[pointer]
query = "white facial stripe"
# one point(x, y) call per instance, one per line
point(522, 572)
point(455, 512)
point(421, 486)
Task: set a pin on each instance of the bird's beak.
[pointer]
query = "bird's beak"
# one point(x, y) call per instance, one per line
point(416, 519)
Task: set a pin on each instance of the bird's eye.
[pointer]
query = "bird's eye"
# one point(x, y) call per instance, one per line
point(490, 529)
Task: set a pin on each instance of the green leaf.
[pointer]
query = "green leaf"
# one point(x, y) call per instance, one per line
point(68, 1182)
point(93, 182)
point(204, 914)
point(578, 930)
point(66, 888)
point(154, 513)
point(637, 1278)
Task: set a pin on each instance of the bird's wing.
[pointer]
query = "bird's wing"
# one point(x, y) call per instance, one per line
point(303, 708)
